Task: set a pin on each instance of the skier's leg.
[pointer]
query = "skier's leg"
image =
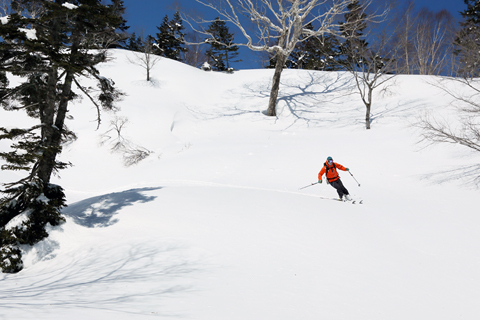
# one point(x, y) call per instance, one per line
point(343, 189)
point(338, 187)
point(341, 186)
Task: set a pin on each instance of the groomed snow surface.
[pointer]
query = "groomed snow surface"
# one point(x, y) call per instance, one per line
point(213, 226)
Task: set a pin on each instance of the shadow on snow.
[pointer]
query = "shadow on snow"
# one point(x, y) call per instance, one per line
point(318, 99)
point(99, 212)
point(109, 277)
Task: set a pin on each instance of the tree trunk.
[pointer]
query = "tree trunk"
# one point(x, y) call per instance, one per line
point(272, 104)
point(52, 131)
point(368, 107)
point(54, 119)
point(47, 116)
point(226, 59)
point(367, 117)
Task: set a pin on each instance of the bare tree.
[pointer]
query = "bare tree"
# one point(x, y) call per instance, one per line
point(466, 93)
point(279, 25)
point(425, 41)
point(371, 65)
point(195, 54)
point(405, 19)
point(433, 42)
point(131, 152)
point(145, 59)
point(4, 7)
point(465, 90)
point(32, 9)
point(467, 134)
point(373, 71)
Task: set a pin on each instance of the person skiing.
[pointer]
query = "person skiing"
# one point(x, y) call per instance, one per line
point(330, 171)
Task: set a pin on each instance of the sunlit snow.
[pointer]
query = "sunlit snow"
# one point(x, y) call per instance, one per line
point(212, 224)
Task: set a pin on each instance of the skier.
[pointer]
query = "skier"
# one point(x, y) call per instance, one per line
point(330, 171)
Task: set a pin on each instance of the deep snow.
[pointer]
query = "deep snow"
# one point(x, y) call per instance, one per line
point(213, 226)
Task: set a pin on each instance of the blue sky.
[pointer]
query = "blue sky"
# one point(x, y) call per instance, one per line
point(144, 16)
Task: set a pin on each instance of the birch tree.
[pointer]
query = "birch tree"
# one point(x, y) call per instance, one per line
point(433, 41)
point(279, 25)
point(425, 41)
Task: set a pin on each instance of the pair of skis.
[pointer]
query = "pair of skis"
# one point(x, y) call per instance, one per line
point(341, 200)
point(336, 199)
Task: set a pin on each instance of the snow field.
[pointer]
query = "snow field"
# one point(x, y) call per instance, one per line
point(212, 225)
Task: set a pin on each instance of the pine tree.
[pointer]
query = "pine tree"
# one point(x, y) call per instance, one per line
point(222, 50)
point(327, 53)
point(352, 30)
point(316, 53)
point(466, 44)
point(472, 13)
point(134, 43)
point(170, 39)
point(163, 36)
point(51, 53)
point(118, 8)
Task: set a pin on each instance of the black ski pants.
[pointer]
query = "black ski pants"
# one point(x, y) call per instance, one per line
point(341, 190)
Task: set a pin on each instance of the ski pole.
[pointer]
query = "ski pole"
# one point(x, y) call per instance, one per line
point(308, 186)
point(354, 178)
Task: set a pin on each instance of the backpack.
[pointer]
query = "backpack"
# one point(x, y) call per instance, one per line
point(328, 168)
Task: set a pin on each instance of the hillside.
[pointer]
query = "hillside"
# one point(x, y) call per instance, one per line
point(212, 224)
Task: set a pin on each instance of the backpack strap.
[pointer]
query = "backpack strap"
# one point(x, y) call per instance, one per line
point(328, 168)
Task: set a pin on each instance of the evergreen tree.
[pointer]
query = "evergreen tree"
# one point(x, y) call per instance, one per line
point(222, 51)
point(51, 53)
point(118, 8)
point(471, 15)
point(134, 43)
point(316, 53)
point(466, 44)
point(327, 53)
point(354, 46)
point(164, 36)
point(170, 39)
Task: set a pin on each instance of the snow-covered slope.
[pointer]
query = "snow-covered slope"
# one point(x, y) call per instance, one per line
point(213, 226)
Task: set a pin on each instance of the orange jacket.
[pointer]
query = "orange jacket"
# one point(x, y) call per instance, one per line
point(332, 174)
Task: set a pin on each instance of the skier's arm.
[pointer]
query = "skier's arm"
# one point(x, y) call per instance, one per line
point(321, 173)
point(339, 166)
